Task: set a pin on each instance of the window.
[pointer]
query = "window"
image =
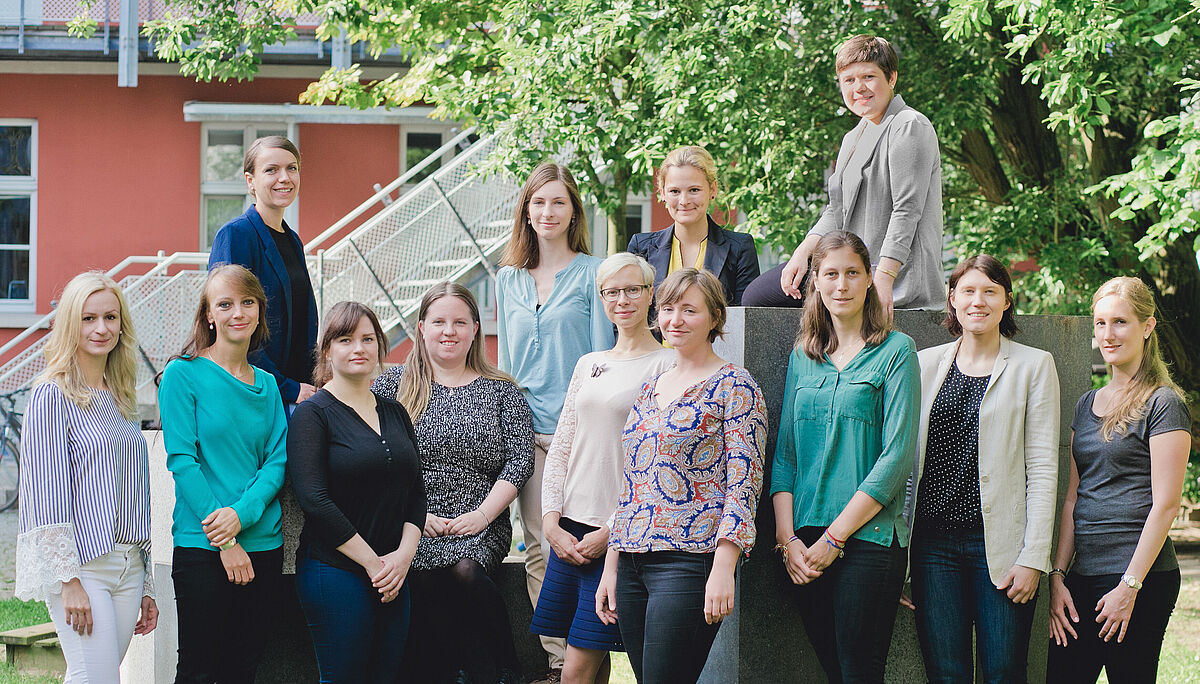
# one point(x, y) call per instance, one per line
point(223, 193)
point(18, 213)
point(417, 143)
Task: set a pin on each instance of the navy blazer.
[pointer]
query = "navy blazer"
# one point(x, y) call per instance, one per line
point(731, 256)
point(245, 240)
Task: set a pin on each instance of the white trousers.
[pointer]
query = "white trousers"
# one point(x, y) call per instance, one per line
point(113, 583)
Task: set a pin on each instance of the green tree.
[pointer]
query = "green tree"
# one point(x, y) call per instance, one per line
point(1068, 129)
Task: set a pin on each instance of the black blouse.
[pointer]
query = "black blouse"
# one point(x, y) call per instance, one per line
point(349, 479)
point(949, 494)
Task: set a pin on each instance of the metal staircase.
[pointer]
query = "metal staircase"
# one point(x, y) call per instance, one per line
point(452, 225)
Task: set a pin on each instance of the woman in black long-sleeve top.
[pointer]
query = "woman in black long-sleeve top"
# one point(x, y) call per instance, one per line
point(353, 462)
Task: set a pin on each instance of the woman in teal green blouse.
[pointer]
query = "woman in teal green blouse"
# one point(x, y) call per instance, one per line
point(844, 453)
point(226, 439)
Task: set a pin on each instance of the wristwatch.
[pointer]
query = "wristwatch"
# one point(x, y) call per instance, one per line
point(1131, 582)
point(233, 542)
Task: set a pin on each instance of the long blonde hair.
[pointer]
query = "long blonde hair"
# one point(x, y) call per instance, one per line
point(1129, 404)
point(62, 367)
point(416, 382)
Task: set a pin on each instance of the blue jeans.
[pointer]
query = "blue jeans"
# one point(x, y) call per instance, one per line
point(850, 610)
point(358, 639)
point(660, 599)
point(954, 593)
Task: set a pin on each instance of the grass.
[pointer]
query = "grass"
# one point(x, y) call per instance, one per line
point(15, 613)
point(9, 675)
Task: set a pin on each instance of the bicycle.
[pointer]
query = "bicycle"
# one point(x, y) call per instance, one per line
point(10, 448)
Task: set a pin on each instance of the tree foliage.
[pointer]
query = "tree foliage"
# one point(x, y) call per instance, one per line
point(1069, 130)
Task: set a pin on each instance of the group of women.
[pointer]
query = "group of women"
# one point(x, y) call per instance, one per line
point(637, 455)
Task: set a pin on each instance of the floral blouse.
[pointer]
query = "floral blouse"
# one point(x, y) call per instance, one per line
point(694, 470)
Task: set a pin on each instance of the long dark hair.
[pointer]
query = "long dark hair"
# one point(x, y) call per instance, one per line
point(817, 336)
point(522, 250)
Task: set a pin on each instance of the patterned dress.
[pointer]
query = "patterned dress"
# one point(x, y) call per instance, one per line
point(693, 470)
point(468, 438)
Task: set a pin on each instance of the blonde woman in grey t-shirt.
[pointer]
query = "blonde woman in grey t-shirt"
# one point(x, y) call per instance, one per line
point(582, 480)
point(1130, 444)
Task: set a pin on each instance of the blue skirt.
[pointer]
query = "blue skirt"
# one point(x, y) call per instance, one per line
point(567, 605)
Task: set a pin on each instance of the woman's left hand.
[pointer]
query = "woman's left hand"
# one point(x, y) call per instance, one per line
point(1020, 583)
point(820, 555)
point(391, 576)
point(221, 526)
point(469, 523)
point(718, 596)
point(594, 544)
point(1113, 611)
point(149, 617)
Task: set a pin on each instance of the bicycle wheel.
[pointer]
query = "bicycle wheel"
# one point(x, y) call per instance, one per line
point(9, 473)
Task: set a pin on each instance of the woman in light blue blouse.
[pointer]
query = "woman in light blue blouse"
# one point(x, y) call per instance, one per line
point(84, 540)
point(225, 434)
point(845, 451)
point(549, 313)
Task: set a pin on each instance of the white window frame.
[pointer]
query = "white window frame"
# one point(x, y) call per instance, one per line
point(24, 185)
point(447, 132)
point(238, 187)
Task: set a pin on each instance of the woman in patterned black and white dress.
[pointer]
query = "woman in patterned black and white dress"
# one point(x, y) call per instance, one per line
point(475, 438)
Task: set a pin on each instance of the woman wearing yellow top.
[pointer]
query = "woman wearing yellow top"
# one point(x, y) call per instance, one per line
point(687, 184)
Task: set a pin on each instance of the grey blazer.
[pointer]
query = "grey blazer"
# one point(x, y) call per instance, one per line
point(1018, 450)
point(886, 188)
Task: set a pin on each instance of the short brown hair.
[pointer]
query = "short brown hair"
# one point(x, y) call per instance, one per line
point(995, 271)
point(864, 48)
point(817, 336)
point(342, 320)
point(522, 250)
point(672, 288)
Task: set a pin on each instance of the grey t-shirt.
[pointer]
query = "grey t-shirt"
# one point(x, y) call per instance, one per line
point(1114, 484)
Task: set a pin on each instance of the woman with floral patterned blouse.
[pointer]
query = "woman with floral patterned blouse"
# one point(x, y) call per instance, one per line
point(693, 472)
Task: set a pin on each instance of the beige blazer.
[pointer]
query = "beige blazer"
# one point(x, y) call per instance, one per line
point(1018, 450)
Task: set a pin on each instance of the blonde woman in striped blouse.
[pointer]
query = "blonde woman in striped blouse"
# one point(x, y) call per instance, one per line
point(84, 540)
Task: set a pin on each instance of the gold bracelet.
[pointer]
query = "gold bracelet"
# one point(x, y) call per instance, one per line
point(893, 274)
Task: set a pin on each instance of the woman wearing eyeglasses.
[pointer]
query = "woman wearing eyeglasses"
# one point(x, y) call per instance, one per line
point(582, 481)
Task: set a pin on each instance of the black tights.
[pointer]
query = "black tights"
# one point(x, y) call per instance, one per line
point(459, 621)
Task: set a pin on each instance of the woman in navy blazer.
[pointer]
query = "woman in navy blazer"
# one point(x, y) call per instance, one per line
point(262, 241)
point(687, 183)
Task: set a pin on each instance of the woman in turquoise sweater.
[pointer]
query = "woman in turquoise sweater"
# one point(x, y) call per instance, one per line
point(845, 451)
point(225, 435)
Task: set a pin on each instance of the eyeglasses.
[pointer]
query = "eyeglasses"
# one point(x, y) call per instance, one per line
point(612, 294)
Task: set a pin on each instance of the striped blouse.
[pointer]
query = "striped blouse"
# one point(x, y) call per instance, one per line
point(85, 485)
point(693, 470)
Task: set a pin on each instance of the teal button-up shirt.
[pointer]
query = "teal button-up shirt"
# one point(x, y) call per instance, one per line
point(851, 430)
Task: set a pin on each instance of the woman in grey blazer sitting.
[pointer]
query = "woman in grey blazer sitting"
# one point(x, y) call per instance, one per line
point(687, 184)
point(886, 188)
point(987, 468)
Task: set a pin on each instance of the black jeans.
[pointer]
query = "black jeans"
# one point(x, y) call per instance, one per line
point(850, 610)
point(1135, 659)
point(660, 604)
point(223, 626)
point(766, 291)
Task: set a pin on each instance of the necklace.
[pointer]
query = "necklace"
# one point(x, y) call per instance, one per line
point(458, 382)
point(847, 351)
